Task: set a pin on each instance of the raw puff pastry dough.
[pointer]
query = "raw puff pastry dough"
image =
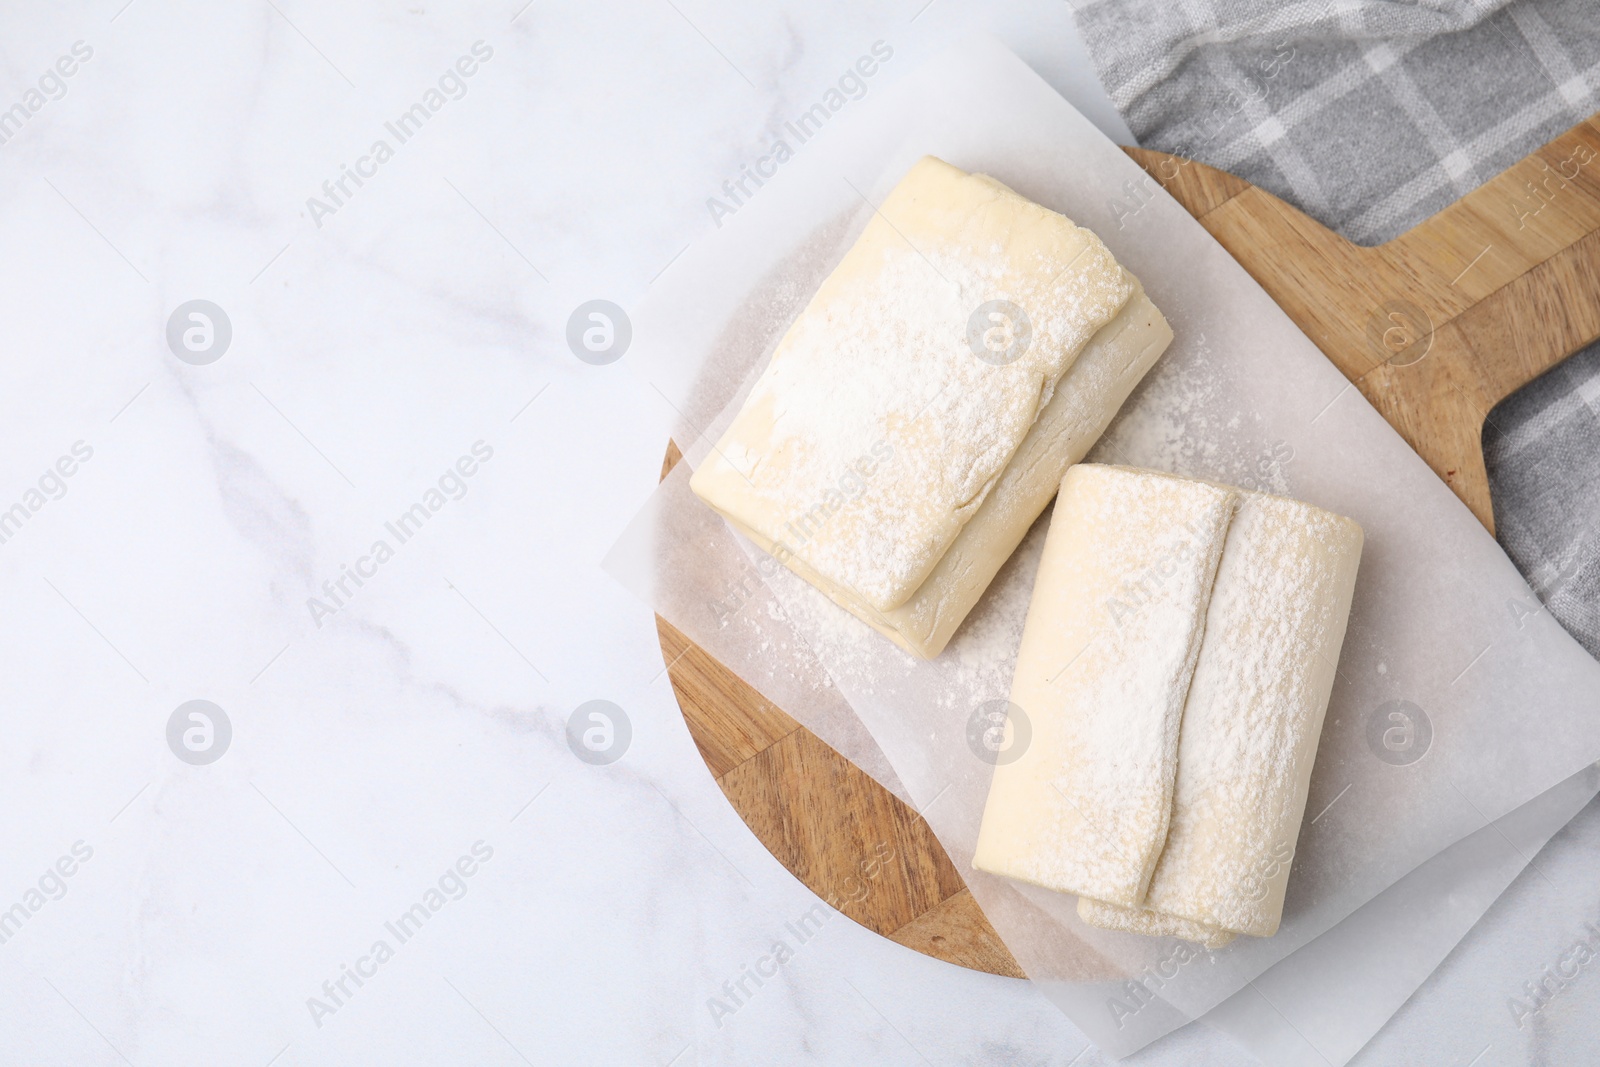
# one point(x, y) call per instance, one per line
point(1274, 629)
point(1274, 621)
point(1115, 624)
point(877, 456)
point(1085, 400)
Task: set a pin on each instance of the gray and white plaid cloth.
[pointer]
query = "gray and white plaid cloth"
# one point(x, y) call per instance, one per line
point(1542, 448)
point(1368, 115)
point(1371, 116)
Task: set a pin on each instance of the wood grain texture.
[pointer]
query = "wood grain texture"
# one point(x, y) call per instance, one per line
point(1434, 328)
point(956, 931)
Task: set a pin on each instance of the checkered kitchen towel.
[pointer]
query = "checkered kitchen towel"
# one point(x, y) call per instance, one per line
point(1542, 448)
point(1370, 116)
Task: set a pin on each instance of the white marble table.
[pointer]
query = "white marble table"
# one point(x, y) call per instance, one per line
point(382, 848)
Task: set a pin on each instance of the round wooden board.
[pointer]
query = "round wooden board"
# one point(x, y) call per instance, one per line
point(1434, 327)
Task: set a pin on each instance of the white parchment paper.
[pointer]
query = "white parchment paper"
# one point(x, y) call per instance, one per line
point(1441, 619)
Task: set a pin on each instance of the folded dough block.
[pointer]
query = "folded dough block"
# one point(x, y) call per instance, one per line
point(876, 433)
point(1108, 648)
point(1150, 923)
point(1084, 402)
point(1253, 718)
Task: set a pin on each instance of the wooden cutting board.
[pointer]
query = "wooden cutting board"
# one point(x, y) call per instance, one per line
point(1434, 328)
